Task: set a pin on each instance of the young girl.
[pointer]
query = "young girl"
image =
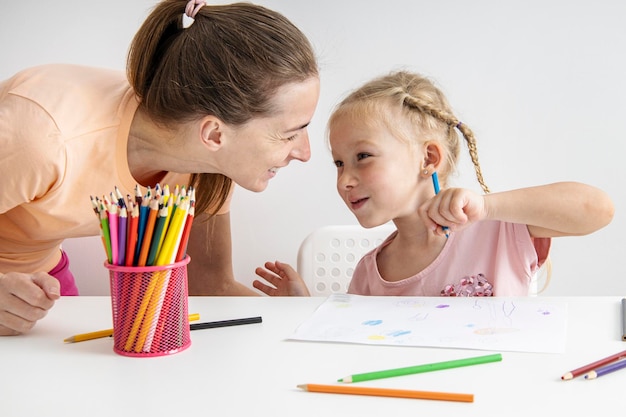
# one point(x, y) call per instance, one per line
point(391, 140)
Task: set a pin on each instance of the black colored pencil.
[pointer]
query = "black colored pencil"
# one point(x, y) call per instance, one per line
point(225, 323)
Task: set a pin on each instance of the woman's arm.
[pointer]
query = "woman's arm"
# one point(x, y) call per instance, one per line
point(210, 271)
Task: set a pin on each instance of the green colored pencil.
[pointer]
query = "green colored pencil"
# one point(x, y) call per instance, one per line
point(422, 368)
point(106, 234)
point(159, 230)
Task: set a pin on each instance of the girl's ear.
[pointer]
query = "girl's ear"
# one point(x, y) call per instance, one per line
point(211, 132)
point(433, 157)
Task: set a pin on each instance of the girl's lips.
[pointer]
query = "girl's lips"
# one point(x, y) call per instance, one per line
point(356, 204)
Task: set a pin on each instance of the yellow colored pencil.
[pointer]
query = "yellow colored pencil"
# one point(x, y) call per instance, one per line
point(162, 277)
point(147, 317)
point(167, 253)
point(107, 332)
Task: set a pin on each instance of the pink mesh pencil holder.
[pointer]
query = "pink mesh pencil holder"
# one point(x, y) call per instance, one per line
point(149, 304)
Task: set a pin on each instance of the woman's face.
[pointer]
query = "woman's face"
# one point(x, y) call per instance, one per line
point(262, 146)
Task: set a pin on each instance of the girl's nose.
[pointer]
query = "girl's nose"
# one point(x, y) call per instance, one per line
point(345, 179)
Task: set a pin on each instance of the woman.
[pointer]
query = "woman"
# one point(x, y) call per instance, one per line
point(213, 95)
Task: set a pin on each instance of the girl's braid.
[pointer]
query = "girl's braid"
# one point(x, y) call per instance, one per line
point(449, 119)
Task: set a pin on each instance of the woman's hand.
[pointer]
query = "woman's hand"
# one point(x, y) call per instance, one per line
point(283, 278)
point(24, 300)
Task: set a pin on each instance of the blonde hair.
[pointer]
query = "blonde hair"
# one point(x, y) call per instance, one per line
point(423, 104)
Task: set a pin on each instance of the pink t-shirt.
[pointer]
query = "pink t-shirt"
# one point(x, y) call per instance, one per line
point(487, 258)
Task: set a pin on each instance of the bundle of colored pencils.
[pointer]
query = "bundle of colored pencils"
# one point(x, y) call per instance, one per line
point(146, 230)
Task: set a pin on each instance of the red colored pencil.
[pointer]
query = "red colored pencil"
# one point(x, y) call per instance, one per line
point(131, 235)
point(584, 369)
point(182, 248)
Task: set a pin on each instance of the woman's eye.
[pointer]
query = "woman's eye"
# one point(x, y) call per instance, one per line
point(290, 138)
point(338, 164)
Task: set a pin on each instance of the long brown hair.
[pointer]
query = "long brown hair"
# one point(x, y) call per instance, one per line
point(228, 63)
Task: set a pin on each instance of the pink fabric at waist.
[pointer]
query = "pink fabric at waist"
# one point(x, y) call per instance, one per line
point(63, 274)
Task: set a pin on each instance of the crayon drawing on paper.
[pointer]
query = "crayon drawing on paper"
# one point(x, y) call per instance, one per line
point(489, 323)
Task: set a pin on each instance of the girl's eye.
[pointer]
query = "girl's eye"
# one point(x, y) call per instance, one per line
point(362, 155)
point(290, 138)
point(338, 164)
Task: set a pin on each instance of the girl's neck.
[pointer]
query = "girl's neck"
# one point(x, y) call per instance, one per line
point(413, 249)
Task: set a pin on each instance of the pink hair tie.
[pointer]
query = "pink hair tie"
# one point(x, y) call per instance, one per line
point(191, 10)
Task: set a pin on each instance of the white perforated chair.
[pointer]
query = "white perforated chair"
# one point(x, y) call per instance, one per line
point(327, 257)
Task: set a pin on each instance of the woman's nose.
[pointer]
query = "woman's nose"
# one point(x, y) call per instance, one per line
point(302, 149)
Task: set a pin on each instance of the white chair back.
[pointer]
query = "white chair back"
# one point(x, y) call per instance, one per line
point(327, 257)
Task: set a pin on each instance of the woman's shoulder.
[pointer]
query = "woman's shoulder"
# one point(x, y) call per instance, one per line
point(70, 99)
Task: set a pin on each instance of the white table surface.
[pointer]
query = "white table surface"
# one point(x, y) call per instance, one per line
point(253, 370)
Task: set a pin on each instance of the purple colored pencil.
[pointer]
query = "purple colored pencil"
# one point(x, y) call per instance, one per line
point(616, 366)
point(121, 233)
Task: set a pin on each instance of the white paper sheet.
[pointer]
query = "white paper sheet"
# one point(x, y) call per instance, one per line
point(522, 324)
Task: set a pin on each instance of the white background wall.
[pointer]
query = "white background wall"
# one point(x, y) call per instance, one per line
point(542, 84)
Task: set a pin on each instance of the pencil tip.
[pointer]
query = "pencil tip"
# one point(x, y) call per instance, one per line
point(302, 386)
point(69, 340)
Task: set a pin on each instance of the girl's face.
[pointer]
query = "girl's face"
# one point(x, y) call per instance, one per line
point(259, 148)
point(377, 173)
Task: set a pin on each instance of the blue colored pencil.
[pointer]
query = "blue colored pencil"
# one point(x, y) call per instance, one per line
point(435, 178)
point(144, 210)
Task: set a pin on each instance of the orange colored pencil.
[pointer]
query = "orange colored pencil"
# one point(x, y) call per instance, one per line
point(147, 236)
point(388, 392)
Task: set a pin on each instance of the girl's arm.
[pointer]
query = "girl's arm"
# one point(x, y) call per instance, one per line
point(283, 280)
point(559, 209)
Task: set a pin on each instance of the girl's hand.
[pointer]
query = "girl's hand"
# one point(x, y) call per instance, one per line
point(453, 208)
point(283, 278)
